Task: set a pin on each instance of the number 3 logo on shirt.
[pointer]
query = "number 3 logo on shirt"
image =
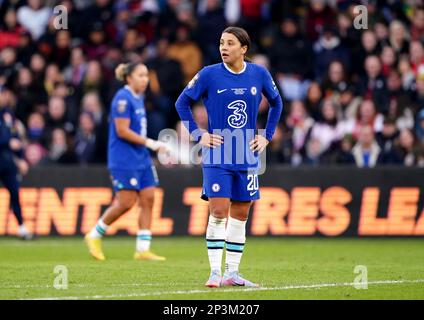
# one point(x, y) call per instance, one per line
point(239, 117)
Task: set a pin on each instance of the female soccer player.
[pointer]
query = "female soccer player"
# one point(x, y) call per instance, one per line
point(133, 174)
point(12, 164)
point(231, 92)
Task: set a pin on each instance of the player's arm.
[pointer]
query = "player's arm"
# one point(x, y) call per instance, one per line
point(124, 132)
point(276, 107)
point(192, 93)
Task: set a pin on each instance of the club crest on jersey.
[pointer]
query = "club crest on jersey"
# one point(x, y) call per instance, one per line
point(193, 81)
point(122, 106)
point(216, 187)
point(253, 91)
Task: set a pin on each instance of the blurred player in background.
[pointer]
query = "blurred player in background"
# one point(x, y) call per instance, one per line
point(132, 171)
point(12, 164)
point(231, 92)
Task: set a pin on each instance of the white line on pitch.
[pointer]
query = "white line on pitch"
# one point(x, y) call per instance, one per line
point(182, 292)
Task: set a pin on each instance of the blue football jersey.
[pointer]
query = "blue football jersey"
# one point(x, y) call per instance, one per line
point(123, 155)
point(232, 103)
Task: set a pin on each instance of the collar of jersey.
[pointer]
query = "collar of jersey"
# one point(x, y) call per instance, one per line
point(132, 92)
point(242, 70)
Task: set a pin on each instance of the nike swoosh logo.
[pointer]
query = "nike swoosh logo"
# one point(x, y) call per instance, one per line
point(221, 91)
point(252, 193)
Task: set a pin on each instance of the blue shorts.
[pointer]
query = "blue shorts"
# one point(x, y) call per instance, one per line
point(134, 180)
point(234, 184)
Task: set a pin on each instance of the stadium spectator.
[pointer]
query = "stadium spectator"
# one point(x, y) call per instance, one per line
point(373, 85)
point(85, 139)
point(366, 151)
point(10, 30)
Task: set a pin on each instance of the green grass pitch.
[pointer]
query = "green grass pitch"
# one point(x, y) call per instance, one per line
point(287, 268)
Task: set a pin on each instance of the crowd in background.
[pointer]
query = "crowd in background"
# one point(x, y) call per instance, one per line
point(351, 96)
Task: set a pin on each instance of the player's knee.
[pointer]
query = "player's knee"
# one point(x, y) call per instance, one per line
point(219, 211)
point(126, 204)
point(147, 201)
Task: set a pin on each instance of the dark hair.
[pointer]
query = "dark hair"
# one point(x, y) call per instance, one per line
point(124, 70)
point(241, 35)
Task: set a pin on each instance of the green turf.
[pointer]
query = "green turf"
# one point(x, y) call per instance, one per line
point(26, 269)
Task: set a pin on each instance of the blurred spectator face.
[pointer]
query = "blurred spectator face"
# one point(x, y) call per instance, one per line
point(7, 56)
point(37, 63)
point(7, 98)
point(94, 72)
point(397, 31)
point(35, 4)
point(420, 86)
point(372, 66)
point(63, 39)
point(406, 139)
point(297, 111)
point(328, 110)
point(367, 111)
point(53, 73)
point(132, 40)
point(261, 60)
point(346, 144)
point(35, 125)
point(97, 36)
point(183, 34)
point(389, 129)
point(388, 56)
point(86, 123)
point(162, 47)
point(24, 77)
point(212, 4)
point(366, 136)
point(91, 103)
point(343, 21)
point(314, 148)
point(77, 57)
point(416, 51)
point(61, 90)
point(102, 3)
point(56, 108)
point(404, 66)
point(314, 92)
point(10, 19)
point(288, 28)
point(34, 152)
point(317, 5)
point(369, 41)
point(58, 143)
point(394, 81)
point(335, 72)
point(418, 19)
point(381, 31)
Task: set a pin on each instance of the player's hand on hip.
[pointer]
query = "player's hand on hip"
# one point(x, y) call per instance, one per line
point(157, 146)
point(258, 144)
point(211, 140)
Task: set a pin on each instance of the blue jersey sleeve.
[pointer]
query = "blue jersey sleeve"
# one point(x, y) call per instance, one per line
point(120, 106)
point(269, 89)
point(197, 86)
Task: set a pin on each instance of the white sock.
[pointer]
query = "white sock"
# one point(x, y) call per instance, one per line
point(144, 237)
point(99, 230)
point(215, 239)
point(235, 239)
point(22, 230)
